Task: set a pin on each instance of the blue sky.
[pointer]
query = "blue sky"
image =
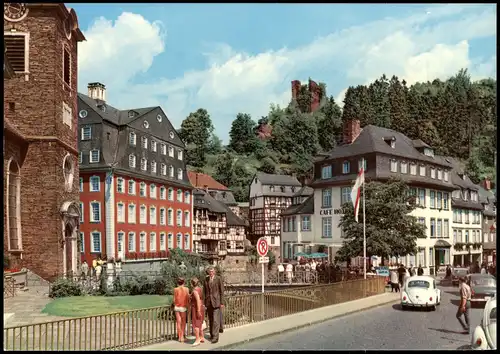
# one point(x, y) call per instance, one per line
point(231, 58)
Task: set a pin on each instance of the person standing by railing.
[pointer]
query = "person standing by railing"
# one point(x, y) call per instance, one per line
point(289, 272)
point(281, 272)
point(197, 311)
point(181, 301)
point(214, 302)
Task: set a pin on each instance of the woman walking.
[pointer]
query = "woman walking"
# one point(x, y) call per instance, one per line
point(181, 302)
point(197, 311)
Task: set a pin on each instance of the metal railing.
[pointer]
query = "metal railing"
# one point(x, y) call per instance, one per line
point(131, 329)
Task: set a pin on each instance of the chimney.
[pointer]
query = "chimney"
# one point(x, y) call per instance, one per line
point(97, 91)
point(205, 188)
point(486, 184)
point(351, 131)
point(295, 89)
point(314, 90)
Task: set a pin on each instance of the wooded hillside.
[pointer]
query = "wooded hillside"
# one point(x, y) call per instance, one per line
point(457, 117)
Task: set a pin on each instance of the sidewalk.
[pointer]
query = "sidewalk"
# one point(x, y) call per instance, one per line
point(235, 336)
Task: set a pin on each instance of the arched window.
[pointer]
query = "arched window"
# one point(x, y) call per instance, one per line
point(14, 206)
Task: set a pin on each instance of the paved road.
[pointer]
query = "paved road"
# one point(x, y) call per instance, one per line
point(385, 327)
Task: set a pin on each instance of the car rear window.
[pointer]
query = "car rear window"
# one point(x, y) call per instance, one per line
point(493, 315)
point(483, 282)
point(419, 284)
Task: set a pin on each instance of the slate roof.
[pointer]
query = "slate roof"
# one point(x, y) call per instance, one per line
point(458, 176)
point(304, 191)
point(226, 197)
point(371, 139)
point(202, 180)
point(277, 180)
point(307, 207)
point(487, 197)
point(460, 203)
point(204, 200)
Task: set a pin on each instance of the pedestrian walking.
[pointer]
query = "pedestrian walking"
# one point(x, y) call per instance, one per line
point(289, 271)
point(394, 281)
point(214, 302)
point(420, 270)
point(401, 274)
point(281, 272)
point(464, 306)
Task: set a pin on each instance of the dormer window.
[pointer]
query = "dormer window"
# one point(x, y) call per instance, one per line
point(131, 114)
point(346, 167)
point(429, 152)
point(391, 141)
point(282, 189)
point(326, 172)
point(271, 188)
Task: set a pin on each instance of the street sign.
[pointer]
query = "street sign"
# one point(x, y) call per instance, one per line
point(263, 259)
point(262, 247)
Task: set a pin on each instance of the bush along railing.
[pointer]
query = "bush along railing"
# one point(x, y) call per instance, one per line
point(131, 329)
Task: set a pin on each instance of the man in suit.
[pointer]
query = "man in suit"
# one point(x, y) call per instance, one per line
point(214, 296)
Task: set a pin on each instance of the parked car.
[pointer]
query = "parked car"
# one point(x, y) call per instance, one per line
point(483, 286)
point(420, 291)
point(484, 336)
point(457, 273)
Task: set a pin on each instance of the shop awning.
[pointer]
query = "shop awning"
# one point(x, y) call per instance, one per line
point(442, 244)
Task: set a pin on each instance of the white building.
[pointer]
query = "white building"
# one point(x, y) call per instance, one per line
point(386, 153)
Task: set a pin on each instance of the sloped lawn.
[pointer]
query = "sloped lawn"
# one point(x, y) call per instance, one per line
point(80, 306)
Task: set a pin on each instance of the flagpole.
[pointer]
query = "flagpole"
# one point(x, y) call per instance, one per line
point(364, 225)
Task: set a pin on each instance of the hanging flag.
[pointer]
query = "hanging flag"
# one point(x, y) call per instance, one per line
point(356, 192)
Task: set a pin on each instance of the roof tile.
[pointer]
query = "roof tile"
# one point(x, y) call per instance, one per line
point(201, 180)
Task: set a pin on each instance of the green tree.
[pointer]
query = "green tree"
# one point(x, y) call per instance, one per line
point(242, 134)
point(196, 131)
point(224, 169)
point(351, 109)
point(214, 145)
point(329, 122)
point(390, 229)
point(378, 93)
point(268, 166)
point(398, 105)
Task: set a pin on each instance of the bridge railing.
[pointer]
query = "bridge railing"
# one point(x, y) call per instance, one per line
point(130, 329)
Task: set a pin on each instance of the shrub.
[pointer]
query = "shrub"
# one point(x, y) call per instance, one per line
point(65, 287)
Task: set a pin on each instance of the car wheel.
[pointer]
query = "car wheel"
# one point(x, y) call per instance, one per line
point(438, 302)
point(404, 307)
point(433, 308)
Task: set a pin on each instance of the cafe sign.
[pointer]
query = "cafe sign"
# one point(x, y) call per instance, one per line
point(329, 212)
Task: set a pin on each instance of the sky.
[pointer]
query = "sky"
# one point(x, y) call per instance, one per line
point(231, 58)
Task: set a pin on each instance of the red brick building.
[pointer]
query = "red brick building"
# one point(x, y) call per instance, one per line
point(135, 195)
point(40, 137)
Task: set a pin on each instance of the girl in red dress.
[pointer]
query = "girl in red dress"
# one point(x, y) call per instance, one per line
point(197, 311)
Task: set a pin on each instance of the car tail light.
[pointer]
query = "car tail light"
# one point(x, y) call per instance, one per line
point(430, 299)
point(404, 297)
point(479, 342)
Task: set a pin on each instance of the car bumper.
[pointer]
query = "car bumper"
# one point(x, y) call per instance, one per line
point(429, 304)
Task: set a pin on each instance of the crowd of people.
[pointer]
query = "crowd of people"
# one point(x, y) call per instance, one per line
point(207, 297)
point(316, 271)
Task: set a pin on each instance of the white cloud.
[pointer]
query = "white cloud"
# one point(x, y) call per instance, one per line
point(417, 48)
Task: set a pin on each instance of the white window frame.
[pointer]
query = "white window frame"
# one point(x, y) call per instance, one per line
point(187, 197)
point(306, 225)
point(122, 218)
point(142, 220)
point(131, 245)
point(170, 240)
point(179, 195)
point(170, 217)
point(404, 167)
point(413, 169)
point(82, 242)
point(446, 176)
point(179, 238)
point(80, 157)
point(92, 180)
point(120, 185)
point(326, 172)
point(170, 151)
point(187, 237)
point(187, 218)
point(118, 243)
point(132, 161)
point(152, 215)
point(152, 241)
point(171, 171)
point(421, 171)
point(325, 229)
point(92, 218)
point(81, 184)
point(152, 191)
point(163, 193)
point(144, 164)
point(394, 165)
point(346, 167)
point(163, 241)
point(131, 185)
point(92, 243)
point(26, 51)
point(433, 173)
point(171, 194)
point(143, 190)
point(179, 154)
point(163, 169)
point(86, 133)
point(327, 192)
point(177, 217)
point(142, 242)
point(144, 142)
point(131, 216)
point(439, 174)
point(180, 175)
point(153, 166)
point(153, 145)
point(132, 139)
point(91, 159)
point(163, 149)
point(345, 195)
point(163, 216)
point(81, 213)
